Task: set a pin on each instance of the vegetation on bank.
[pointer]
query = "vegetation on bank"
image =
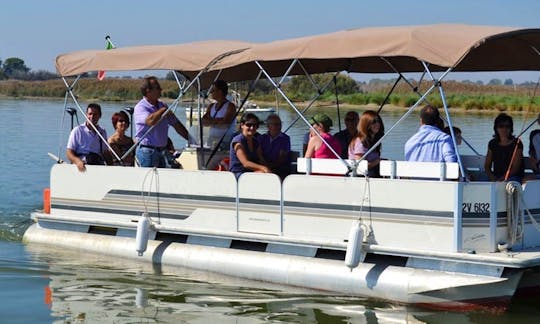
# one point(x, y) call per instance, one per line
point(465, 95)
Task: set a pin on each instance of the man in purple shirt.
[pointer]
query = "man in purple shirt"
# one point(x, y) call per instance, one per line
point(276, 147)
point(84, 144)
point(148, 113)
point(430, 144)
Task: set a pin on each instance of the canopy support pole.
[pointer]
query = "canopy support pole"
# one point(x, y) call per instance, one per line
point(389, 93)
point(337, 101)
point(448, 119)
point(312, 101)
point(300, 115)
point(407, 113)
point(415, 90)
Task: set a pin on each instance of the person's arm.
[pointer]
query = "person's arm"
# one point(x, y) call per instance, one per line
point(75, 160)
point(487, 165)
point(207, 119)
point(310, 150)
point(449, 154)
point(154, 117)
point(181, 129)
point(242, 157)
point(516, 163)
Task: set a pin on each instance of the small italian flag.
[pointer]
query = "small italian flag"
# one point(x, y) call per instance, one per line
point(108, 46)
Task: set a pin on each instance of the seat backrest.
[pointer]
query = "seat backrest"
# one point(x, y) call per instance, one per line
point(328, 166)
point(420, 170)
point(473, 162)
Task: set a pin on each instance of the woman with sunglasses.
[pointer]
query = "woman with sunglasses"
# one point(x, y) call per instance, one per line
point(501, 150)
point(370, 130)
point(246, 153)
point(118, 141)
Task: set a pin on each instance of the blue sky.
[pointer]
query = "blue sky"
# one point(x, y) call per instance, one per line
point(38, 30)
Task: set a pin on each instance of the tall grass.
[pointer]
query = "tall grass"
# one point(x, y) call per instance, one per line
point(459, 95)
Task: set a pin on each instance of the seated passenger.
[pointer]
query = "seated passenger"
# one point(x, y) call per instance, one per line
point(276, 147)
point(346, 136)
point(500, 157)
point(370, 130)
point(430, 144)
point(84, 144)
point(245, 152)
point(119, 142)
point(534, 149)
point(220, 116)
point(316, 147)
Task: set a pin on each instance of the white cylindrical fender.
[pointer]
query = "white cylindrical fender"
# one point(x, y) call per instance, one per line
point(141, 239)
point(354, 245)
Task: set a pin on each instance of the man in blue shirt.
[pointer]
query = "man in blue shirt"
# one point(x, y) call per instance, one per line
point(430, 144)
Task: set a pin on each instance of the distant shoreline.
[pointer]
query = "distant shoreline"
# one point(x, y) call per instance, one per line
point(461, 97)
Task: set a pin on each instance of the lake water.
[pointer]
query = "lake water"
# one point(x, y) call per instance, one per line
point(44, 285)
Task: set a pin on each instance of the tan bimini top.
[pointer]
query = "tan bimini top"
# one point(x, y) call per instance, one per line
point(460, 47)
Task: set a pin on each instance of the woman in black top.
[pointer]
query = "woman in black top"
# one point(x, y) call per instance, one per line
point(501, 149)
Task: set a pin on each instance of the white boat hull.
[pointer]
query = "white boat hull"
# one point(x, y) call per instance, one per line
point(436, 252)
point(402, 284)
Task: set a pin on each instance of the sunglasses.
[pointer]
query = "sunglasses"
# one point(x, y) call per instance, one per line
point(249, 125)
point(122, 121)
point(504, 126)
point(350, 119)
point(375, 121)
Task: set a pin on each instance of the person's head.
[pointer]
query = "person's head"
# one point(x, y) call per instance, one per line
point(503, 126)
point(120, 120)
point(273, 122)
point(322, 122)
point(249, 123)
point(370, 124)
point(219, 89)
point(429, 115)
point(351, 121)
point(93, 112)
point(150, 88)
point(457, 133)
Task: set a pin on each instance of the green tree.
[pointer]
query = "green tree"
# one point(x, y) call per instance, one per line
point(495, 82)
point(14, 66)
point(508, 82)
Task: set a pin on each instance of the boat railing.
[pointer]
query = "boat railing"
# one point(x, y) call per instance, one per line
point(329, 166)
point(421, 170)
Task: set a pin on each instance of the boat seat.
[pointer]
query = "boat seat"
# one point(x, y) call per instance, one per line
point(420, 170)
point(328, 166)
point(473, 162)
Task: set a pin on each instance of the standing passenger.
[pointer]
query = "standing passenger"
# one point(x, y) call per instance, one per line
point(148, 112)
point(84, 144)
point(500, 156)
point(345, 136)
point(220, 116)
point(316, 147)
point(370, 130)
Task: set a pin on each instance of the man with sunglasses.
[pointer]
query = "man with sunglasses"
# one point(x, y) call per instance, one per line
point(152, 126)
